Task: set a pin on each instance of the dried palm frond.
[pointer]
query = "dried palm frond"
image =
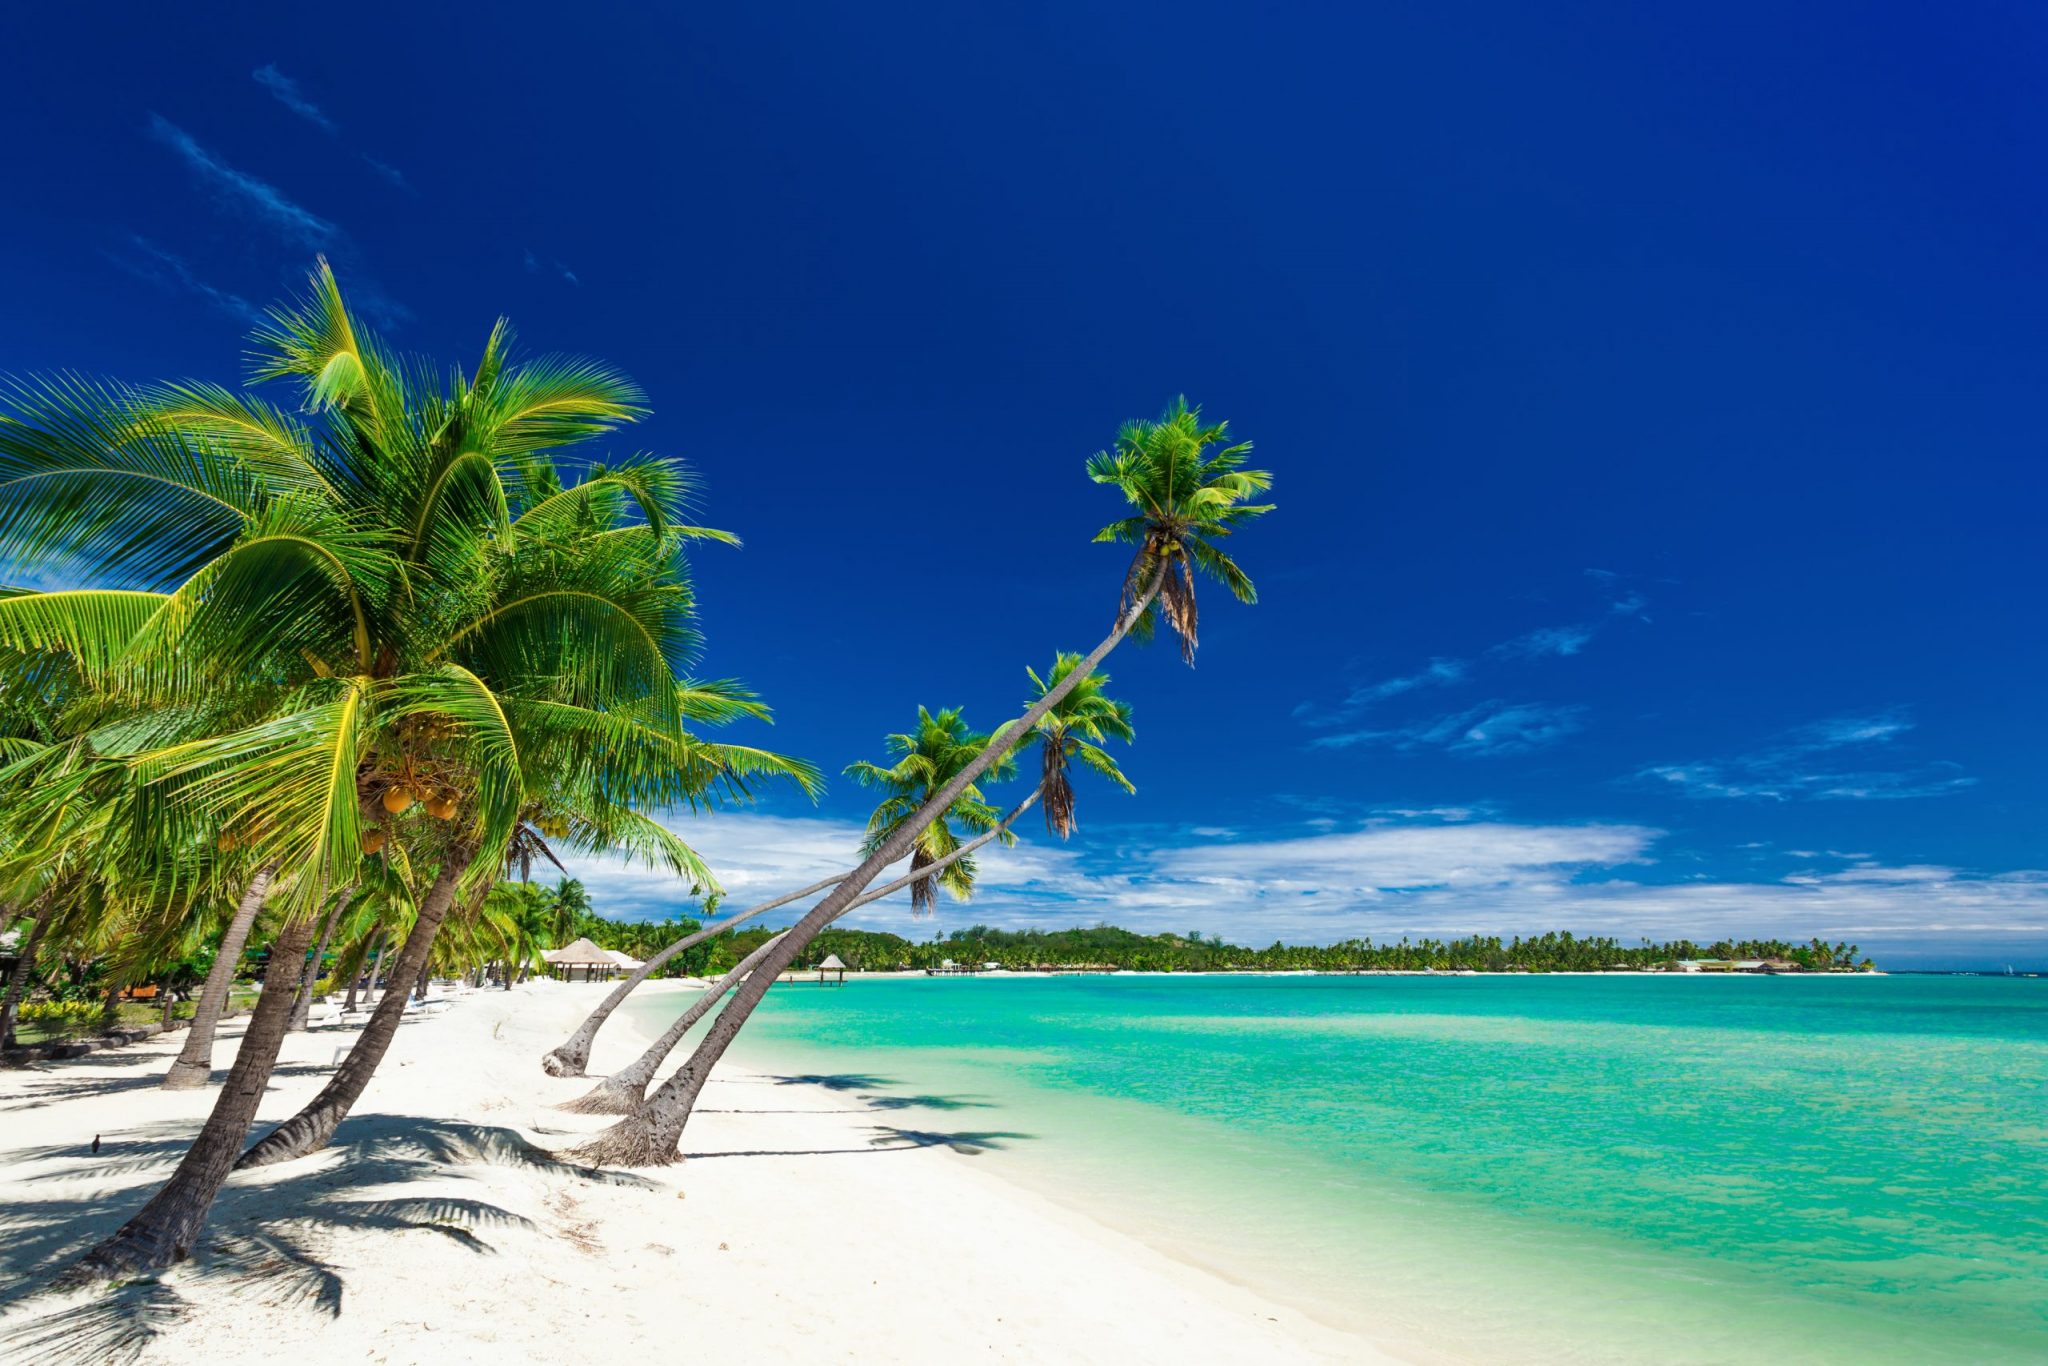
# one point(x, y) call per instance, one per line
point(1056, 793)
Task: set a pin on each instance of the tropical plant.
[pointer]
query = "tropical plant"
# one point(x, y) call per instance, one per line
point(383, 628)
point(926, 760)
point(1076, 729)
point(1186, 498)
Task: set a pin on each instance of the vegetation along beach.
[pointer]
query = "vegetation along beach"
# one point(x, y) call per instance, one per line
point(1085, 685)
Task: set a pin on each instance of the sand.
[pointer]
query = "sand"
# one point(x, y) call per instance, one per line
point(806, 1226)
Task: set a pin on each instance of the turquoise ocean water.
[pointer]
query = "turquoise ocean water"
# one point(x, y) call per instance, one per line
point(1509, 1168)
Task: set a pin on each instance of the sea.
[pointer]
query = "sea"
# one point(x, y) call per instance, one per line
point(1526, 1168)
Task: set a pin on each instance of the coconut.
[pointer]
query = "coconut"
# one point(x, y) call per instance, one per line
point(441, 808)
point(396, 800)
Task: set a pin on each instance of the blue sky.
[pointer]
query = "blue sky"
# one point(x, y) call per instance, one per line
point(1655, 401)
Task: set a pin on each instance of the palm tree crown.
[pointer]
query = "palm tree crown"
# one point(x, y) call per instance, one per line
point(1076, 728)
point(1187, 497)
point(926, 760)
point(305, 624)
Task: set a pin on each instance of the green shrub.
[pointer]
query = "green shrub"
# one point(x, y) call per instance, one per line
point(59, 1014)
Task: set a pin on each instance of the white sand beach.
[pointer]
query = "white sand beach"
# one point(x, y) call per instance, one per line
point(806, 1226)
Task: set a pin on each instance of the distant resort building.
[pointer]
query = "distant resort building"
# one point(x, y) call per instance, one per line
point(1754, 965)
point(594, 961)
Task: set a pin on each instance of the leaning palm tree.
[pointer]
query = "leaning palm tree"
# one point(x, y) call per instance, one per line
point(1186, 497)
point(927, 758)
point(380, 627)
point(193, 1067)
point(1084, 716)
point(710, 703)
point(1076, 729)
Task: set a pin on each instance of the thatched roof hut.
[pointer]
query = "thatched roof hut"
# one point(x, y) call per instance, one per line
point(581, 954)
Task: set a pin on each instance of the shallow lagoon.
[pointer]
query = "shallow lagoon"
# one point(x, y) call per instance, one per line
point(1527, 1168)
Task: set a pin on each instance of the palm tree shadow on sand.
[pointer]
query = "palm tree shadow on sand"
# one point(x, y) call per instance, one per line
point(272, 1235)
point(888, 1138)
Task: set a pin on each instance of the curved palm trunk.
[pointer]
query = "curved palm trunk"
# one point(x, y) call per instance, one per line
point(302, 1002)
point(650, 1136)
point(377, 967)
point(194, 1067)
point(168, 1225)
point(624, 1091)
point(359, 958)
point(309, 1130)
point(17, 981)
point(574, 1055)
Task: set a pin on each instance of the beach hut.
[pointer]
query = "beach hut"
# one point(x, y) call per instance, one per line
point(581, 954)
point(625, 960)
point(833, 965)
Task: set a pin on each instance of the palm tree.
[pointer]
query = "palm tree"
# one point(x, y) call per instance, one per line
point(302, 1003)
point(193, 1067)
point(568, 904)
point(378, 629)
point(525, 918)
point(1186, 498)
point(927, 759)
point(624, 1091)
point(24, 968)
point(1076, 728)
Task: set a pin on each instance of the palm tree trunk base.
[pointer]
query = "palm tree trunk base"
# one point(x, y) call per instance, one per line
point(187, 1076)
point(612, 1096)
point(166, 1228)
point(569, 1060)
point(302, 1135)
point(308, 1131)
point(128, 1255)
point(635, 1141)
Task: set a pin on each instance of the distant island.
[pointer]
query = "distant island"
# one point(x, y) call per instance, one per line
point(1104, 948)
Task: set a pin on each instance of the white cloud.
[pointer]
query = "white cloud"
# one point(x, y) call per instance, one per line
point(147, 260)
point(1816, 762)
point(298, 224)
point(1491, 728)
point(1488, 730)
point(389, 172)
point(1435, 674)
point(1382, 881)
point(287, 93)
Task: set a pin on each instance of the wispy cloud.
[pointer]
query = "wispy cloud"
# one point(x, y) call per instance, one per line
point(299, 228)
point(1384, 879)
point(1487, 728)
point(1572, 637)
point(292, 96)
point(534, 267)
point(1438, 673)
point(146, 260)
point(287, 93)
point(1490, 729)
point(244, 192)
point(390, 173)
point(1827, 760)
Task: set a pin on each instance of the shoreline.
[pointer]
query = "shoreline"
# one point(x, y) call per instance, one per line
point(801, 976)
point(436, 1229)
